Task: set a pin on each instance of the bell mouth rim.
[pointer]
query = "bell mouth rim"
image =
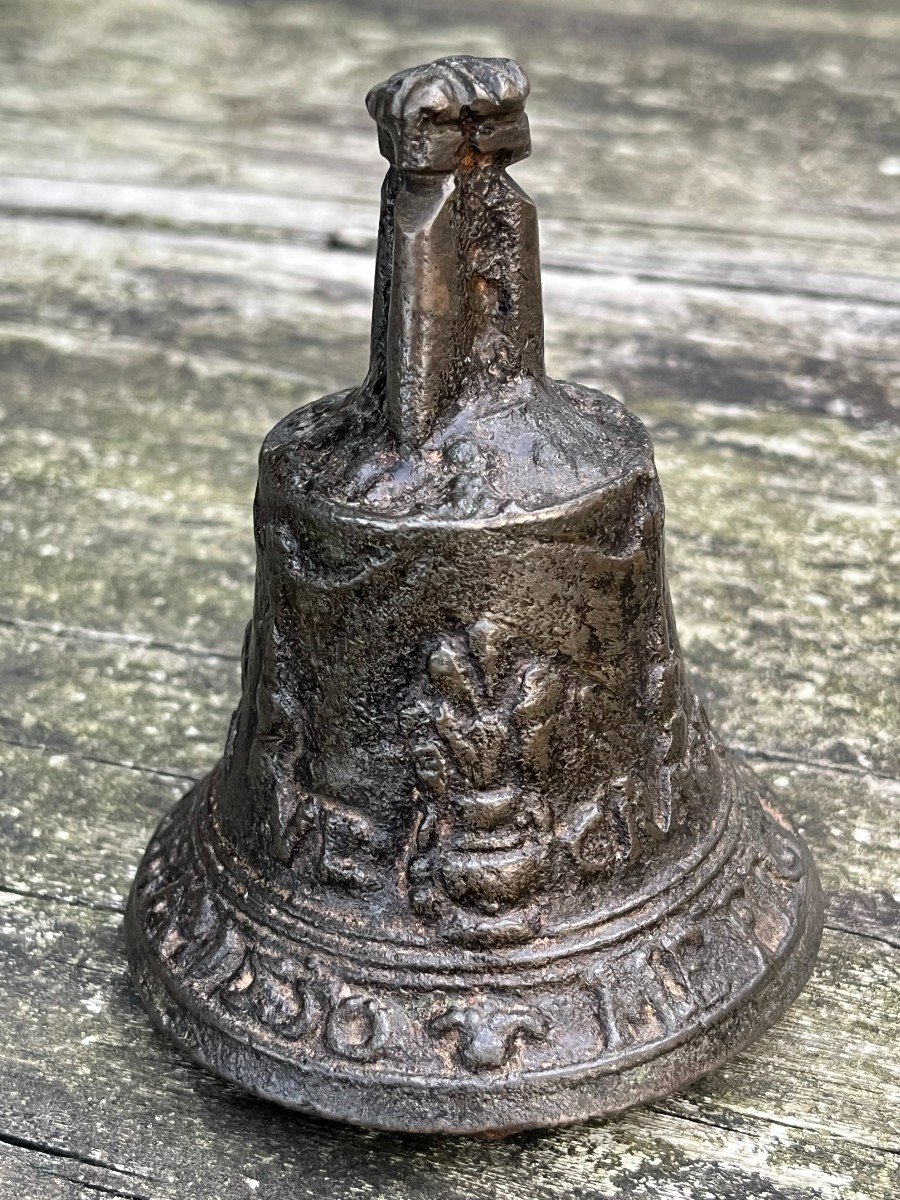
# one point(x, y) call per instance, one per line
point(503, 1105)
point(311, 1077)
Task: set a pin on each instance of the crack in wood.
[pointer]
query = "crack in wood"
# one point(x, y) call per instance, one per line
point(874, 914)
point(109, 1191)
point(790, 758)
point(115, 638)
point(73, 901)
point(88, 1160)
point(676, 1110)
point(857, 931)
point(332, 241)
point(82, 756)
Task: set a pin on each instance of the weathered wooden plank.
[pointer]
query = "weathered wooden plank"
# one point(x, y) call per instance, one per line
point(85, 1070)
point(74, 830)
point(718, 184)
point(124, 395)
point(116, 702)
point(669, 108)
point(134, 447)
point(649, 319)
point(844, 260)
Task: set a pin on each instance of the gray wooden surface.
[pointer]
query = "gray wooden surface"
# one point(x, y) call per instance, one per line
point(186, 232)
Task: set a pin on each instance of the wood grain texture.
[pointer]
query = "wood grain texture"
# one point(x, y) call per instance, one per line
point(186, 225)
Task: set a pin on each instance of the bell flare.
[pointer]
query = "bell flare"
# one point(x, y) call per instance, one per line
point(476, 1032)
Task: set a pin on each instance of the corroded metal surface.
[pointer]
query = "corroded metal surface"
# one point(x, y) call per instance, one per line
point(473, 859)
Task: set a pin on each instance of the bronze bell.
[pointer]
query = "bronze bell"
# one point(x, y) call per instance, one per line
point(473, 859)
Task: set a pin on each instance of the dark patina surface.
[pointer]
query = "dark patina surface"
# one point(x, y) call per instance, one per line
point(473, 859)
